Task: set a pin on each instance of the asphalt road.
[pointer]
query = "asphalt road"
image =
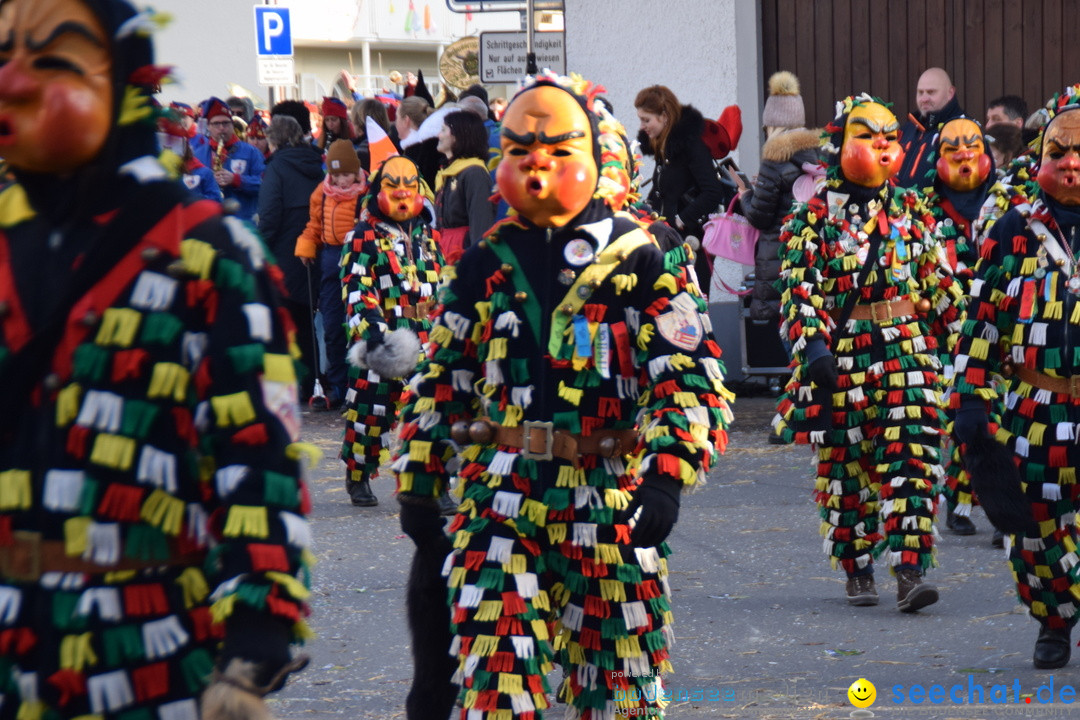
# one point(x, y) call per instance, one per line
point(763, 629)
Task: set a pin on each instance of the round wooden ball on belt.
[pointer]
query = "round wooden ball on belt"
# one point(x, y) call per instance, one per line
point(481, 432)
point(459, 432)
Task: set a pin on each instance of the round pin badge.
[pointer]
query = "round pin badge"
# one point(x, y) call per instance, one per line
point(578, 252)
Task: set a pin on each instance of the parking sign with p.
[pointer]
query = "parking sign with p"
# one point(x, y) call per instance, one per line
point(273, 33)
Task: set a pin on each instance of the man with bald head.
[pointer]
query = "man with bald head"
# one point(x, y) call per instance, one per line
point(935, 97)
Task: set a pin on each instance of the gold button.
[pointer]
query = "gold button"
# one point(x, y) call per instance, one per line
point(507, 268)
point(51, 382)
point(521, 296)
point(567, 309)
point(482, 244)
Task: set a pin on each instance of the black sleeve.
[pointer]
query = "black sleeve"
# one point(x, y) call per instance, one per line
point(710, 191)
point(476, 188)
point(271, 207)
point(759, 203)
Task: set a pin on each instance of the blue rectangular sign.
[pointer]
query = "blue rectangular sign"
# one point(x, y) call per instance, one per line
point(273, 32)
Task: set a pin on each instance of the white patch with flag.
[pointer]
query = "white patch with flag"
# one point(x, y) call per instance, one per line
point(681, 324)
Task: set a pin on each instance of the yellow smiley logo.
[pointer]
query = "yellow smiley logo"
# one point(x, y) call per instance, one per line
point(862, 693)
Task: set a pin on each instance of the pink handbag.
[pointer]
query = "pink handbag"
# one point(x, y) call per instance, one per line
point(731, 236)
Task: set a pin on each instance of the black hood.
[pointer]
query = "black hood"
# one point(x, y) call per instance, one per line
point(96, 186)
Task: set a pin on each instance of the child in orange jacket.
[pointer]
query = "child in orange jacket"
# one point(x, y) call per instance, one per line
point(333, 216)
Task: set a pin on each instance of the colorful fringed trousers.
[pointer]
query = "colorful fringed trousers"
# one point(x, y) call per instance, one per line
point(879, 468)
point(1044, 562)
point(122, 645)
point(541, 569)
point(371, 407)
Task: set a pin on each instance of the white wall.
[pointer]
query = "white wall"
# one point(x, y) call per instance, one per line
point(708, 54)
point(211, 44)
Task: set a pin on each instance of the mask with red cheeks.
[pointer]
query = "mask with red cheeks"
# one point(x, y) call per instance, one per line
point(399, 189)
point(1059, 169)
point(55, 85)
point(871, 153)
point(548, 172)
point(963, 163)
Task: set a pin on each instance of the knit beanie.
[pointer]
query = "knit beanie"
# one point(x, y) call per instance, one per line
point(342, 158)
point(332, 107)
point(784, 108)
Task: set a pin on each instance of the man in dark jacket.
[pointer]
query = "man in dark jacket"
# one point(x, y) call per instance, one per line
point(936, 98)
point(292, 174)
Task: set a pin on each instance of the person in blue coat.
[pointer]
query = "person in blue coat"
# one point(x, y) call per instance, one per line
point(237, 166)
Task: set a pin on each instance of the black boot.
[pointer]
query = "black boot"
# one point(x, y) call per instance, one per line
point(360, 493)
point(960, 524)
point(1052, 648)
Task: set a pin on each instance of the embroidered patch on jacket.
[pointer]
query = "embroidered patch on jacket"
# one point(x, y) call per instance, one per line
point(191, 182)
point(681, 325)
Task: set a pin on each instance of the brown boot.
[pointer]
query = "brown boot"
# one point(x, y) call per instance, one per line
point(911, 592)
point(861, 591)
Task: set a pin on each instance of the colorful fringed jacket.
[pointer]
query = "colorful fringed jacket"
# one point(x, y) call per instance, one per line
point(163, 434)
point(388, 271)
point(588, 327)
point(1024, 315)
point(826, 244)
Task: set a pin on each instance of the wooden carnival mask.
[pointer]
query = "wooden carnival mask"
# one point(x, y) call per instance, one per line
point(1059, 169)
point(871, 153)
point(399, 195)
point(548, 171)
point(962, 163)
point(56, 92)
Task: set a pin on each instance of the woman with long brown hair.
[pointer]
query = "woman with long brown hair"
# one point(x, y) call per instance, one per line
point(685, 186)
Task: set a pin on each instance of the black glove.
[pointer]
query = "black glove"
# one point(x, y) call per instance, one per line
point(821, 365)
point(971, 422)
point(421, 521)
point(654, 510)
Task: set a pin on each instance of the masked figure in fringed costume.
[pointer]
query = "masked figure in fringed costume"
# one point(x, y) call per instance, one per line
point(1024, 323)
point(564, 351)
point(962, 177)
point(151, 510)
point(390, 272)
point(863, 285)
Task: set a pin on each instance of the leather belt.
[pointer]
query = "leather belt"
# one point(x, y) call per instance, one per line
point(1064, 385)
point(30, 557)
point(419, 311)
point(881, 311)
point(539, 441)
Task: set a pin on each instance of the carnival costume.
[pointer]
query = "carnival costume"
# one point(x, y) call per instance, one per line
point(1022, 323)
point(390, 269)
point(860, 249)
point(565, 347)
point(962, 176)
point(150, 500)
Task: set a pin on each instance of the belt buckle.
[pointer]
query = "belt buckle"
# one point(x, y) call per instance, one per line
point(1074, 387)
point(22, 561)
point(549, 440)
point(885, 305)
